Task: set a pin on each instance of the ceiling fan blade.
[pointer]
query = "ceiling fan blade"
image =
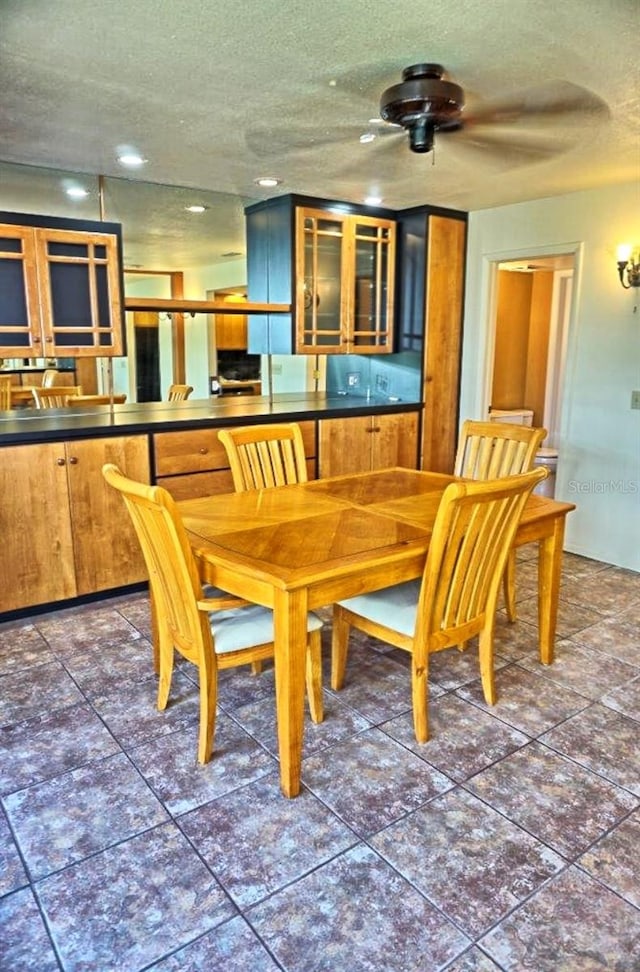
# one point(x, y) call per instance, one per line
point(276, 142)
point(510, 147)
point(552, 100)
point(270, 143)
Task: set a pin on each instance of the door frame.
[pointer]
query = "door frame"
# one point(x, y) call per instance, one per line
point(491, 264)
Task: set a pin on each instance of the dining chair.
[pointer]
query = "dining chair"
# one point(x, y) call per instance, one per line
point(5, 392)
point(262, 456)
point(118, 399)
point(178, 393)
point(49, 377)
point(456, 597)
point(189, 622)
point(55, 397)
point(488, 450)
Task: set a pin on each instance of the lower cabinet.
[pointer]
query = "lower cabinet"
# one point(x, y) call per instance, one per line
point(363, 443)
point(194, 463)
point(66, 533)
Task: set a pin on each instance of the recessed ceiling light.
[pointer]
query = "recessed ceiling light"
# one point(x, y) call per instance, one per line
point(367, 137)
point(267, 182)
point(373, 200)
point(131, 159)
point(196, 208)
point(77, 192)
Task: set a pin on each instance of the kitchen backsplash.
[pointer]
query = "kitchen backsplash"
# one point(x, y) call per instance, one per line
point(388, 377)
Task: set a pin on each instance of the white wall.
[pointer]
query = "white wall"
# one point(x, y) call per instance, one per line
point(599, 447)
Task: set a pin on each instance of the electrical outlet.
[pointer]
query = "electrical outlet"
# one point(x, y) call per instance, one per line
point(635, 399)
point(276, 369)
point(382, 384)
point(353, 379)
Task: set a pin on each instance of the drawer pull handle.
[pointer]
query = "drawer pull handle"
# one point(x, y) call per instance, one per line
point(73, 461)
point(203, 451)
point(60, 461)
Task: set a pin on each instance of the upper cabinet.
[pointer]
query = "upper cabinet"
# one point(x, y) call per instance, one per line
point(336, 268)
point(60, 287)
point(345, 271)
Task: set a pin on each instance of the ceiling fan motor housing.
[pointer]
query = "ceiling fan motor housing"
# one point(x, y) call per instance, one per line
point(423, 103)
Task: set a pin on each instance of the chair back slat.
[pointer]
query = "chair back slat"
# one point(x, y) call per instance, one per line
point(263, 456)
point(472, 535)
point(178, 393)
point(5, 392)
point(490, 450)
point(55, 396)
point(49, 377)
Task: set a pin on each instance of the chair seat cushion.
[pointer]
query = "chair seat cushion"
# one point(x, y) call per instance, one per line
point(246, 627)
point(394, 607)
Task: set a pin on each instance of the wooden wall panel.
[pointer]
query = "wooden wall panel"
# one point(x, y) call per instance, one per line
point(443, 341)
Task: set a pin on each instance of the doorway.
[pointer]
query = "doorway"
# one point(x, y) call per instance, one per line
point(532, 312)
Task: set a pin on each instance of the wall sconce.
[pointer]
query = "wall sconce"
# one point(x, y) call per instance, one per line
point(628, 263)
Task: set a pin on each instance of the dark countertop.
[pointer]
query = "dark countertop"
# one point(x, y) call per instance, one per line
point(55, 425)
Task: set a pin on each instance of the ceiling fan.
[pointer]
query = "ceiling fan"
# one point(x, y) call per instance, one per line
point(526, 127)
point(426, 102)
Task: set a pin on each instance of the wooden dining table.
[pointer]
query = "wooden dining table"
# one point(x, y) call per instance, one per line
point(300, 547)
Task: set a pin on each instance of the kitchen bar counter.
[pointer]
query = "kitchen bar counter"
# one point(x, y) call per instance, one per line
point(54, 494)
point(31, 426)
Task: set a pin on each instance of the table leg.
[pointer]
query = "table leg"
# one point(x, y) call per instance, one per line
point(549, 571)
point(290, 625)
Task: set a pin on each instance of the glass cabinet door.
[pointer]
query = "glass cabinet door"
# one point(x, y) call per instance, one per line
point(373, 262)
point(320, 290)
point(345, 268)
point(60, 293)
point(20, 331)
point(80, 292)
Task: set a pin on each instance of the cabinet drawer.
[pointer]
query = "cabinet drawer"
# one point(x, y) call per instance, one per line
point(199, 450)
point(195, 485)
point(187, 452)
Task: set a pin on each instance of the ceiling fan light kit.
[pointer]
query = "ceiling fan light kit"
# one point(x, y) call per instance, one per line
point(423, 103)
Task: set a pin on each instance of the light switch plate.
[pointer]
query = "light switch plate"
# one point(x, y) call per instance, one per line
point(635, 399)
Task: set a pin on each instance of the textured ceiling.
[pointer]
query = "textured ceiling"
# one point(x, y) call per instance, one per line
point(215, 93)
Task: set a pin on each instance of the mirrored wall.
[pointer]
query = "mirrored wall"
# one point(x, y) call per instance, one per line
point(167, 231)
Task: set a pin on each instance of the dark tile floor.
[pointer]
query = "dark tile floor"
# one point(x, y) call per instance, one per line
point(510, 841)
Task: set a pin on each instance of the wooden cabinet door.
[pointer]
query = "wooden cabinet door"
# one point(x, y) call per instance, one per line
point(366, 442)
point(20, 330)
point(37, 543)
point(345, 271)
point(81, 303)
point(371, 251)
point(344, 446)
point(394, 441)
point(231, 329)
point(322, 282)
point(106, 549)
point(60, 293)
